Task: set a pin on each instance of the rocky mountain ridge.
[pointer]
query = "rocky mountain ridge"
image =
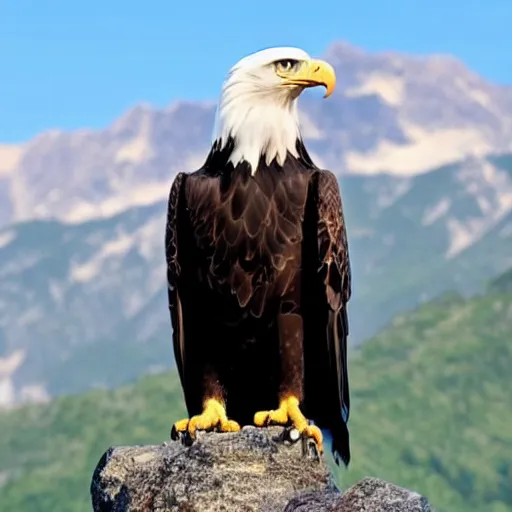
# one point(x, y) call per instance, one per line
point(391, 112)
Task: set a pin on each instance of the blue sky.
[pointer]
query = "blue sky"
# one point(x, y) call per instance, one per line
point(81, 63)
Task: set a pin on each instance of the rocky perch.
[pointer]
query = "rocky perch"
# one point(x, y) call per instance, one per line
point(252, 470)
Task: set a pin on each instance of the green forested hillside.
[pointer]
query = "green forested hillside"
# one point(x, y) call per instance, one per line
point(431, 410)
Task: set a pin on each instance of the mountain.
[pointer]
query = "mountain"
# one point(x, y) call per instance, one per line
point(420, 147)
point(391, 112)
point(82, 305)
point(431, 411)
point(85, 305)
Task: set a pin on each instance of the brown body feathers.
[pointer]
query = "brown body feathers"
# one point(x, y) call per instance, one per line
point(259, 280)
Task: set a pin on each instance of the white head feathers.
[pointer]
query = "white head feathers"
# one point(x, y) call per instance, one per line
point(258, 106)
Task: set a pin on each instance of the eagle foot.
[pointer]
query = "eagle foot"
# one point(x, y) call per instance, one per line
point(213, 417)
point(289, 412)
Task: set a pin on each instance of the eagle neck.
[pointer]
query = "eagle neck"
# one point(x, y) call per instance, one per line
point(259, 125)
point(219, 160)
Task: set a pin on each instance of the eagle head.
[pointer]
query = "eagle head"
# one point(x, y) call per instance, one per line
point(257, 109)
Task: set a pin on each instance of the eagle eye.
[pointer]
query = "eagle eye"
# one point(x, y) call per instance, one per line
point(286, 65)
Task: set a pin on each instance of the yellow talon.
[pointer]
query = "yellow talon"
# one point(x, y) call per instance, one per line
point(181, 425)
point(289, 412)
point(213, 417)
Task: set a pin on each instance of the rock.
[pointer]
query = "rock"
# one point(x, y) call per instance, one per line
point(252, 470)
point(368, 495)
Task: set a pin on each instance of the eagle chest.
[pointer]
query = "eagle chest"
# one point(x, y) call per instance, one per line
point(250, 232)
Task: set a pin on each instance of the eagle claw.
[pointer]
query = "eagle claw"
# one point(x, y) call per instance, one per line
point(184, 437)
point(213, 418)
point(289, 413)
point(310, 448)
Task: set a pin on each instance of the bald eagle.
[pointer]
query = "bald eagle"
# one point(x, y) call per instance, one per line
point(258, 265)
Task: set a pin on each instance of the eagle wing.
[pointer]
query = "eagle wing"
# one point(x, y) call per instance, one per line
point(326, 330)
point(336, 275)
point(172, 231)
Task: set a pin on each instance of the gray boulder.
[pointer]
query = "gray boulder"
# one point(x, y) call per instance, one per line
point(252, 470)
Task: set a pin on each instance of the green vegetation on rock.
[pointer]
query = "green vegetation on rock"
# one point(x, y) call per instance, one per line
point(431, 411)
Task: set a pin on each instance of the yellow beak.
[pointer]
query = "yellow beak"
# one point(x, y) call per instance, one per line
point(312, 74)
